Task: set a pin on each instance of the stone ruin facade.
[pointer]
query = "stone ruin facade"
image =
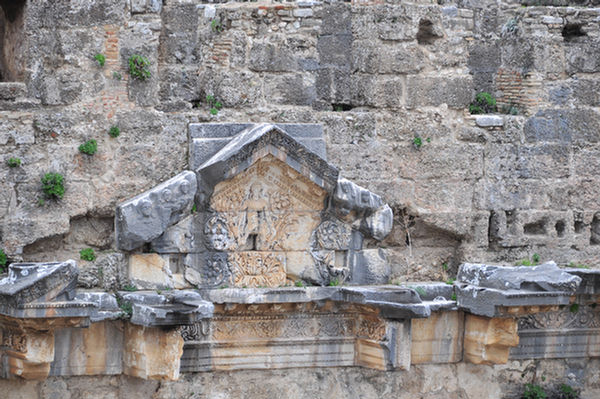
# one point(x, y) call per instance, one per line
point(254, 260)
point(252, 253)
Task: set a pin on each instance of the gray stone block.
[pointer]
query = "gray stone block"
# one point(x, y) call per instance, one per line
point(545, 277)
point(203, 149)
point(370, 267)
point(489, 121)
point(145, 217)
point(351, 196)
point(12, 90)
point(38, 282)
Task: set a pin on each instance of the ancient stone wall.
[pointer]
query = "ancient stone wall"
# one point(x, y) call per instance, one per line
point(391, 83)
point(377, 76)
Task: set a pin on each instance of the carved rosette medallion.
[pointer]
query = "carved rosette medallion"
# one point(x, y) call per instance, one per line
point(216, 271)
point(331, 235)
point(257, 269)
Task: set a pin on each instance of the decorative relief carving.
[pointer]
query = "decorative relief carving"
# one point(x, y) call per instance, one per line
point(328, 270)
point(14, 339)
point(216, 271)
point(284, 326)
point(268, 184)
point(371, 329)
point(332, 235)
point(585, 317)
point(257, 269)
point(195, 332)
point(218, 234)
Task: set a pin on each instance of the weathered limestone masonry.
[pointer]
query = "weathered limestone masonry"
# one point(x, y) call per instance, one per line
point(227, 172)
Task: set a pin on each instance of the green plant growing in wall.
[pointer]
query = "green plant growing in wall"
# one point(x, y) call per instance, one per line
point(214, 105)
point(334, 283)
point(216, 25)
point(484, 103)
point(114, 132)
point(117, 76)
point(567, 392)
point(87, 254)
point(534, 392)
point(299, 283)
point(138, 67)
point(53, 185)
point(130, 287)
point(535, 260)
point(578, 265)
point(3, 261)
point(101, 58)
point(13, 162)
point(89, 147)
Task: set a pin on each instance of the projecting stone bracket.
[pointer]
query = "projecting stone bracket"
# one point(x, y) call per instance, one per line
point(506, 302)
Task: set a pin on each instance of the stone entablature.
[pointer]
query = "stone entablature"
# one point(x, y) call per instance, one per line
point(154, 335)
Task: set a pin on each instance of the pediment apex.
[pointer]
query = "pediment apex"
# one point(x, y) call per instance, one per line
point(258, 141)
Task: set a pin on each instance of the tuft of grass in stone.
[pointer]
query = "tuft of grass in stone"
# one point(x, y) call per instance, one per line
point(334, 283)
point(53, 185)
point(578, 265)
point(89, 147)
point(130, 287)
point(13, 162)
point(114, 132)
point(299, 283)
point(101, 58)
point(87, 254)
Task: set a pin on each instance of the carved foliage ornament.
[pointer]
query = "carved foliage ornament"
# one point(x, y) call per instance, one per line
point(584, 317)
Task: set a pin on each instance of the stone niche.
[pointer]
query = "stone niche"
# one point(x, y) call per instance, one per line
point(262, 209)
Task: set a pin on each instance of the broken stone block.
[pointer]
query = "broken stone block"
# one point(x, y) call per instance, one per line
point(545, 277)
point(494, 290)
point(102, 344)
point(27, 353)
point(145, 217)
point(150, 271)
point(489, 121)
point(370, 267)
point(488, 340)
point(438, 338)
point(350, 196)
point(152, 353)
point(37, 282)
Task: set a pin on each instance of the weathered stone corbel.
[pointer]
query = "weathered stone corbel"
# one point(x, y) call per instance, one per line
point(35, 300)
point(153, 344)
point(496, 296)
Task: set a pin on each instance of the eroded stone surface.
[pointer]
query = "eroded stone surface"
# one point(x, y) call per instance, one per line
point(146, 216)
